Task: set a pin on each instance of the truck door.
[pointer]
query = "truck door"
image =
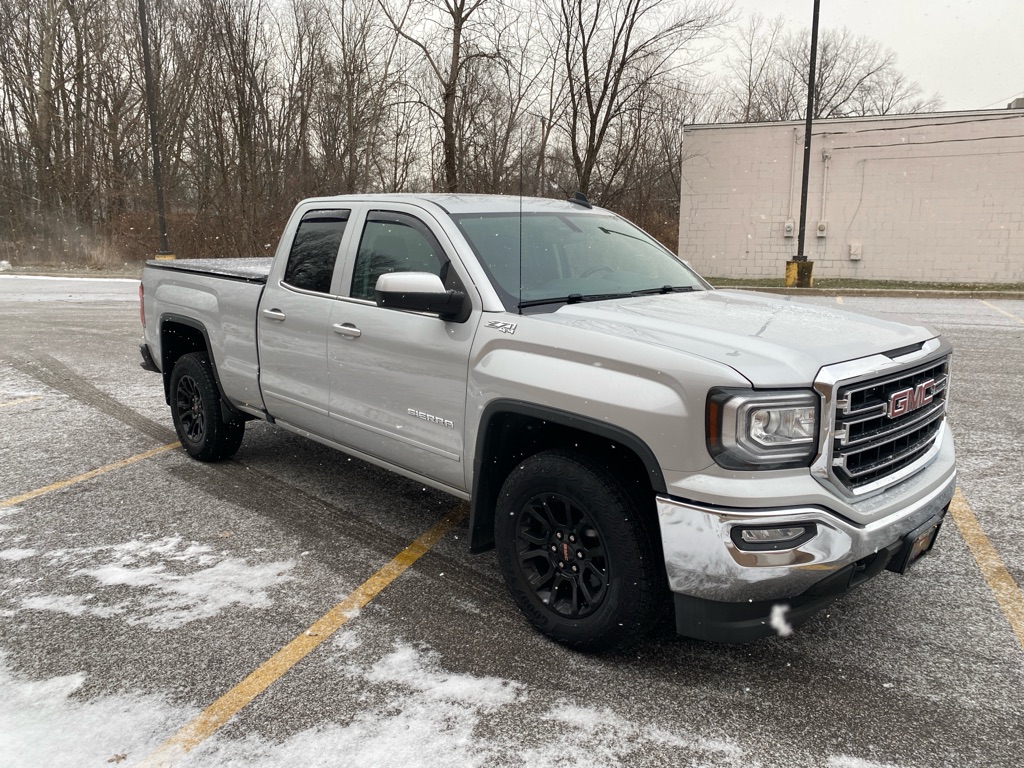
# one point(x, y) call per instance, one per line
point(293, 323)
point(397, 378)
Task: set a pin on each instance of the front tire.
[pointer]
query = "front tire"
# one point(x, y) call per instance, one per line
point(577, 553)
point(196, 411)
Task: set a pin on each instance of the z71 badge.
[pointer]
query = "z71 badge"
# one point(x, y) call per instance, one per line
point(503, 327)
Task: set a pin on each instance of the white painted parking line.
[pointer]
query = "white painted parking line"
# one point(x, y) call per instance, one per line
point(71, 277)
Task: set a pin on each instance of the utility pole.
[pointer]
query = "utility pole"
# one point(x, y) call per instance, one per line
point(154, 136)
point(799, 271)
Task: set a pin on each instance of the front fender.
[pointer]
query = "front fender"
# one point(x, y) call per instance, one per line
point(662, 402)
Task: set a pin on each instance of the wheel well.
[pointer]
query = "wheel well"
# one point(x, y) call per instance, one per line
point(177, 339)
point(512, 434)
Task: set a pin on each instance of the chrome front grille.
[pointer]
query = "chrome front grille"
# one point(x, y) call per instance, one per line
point(886, 424)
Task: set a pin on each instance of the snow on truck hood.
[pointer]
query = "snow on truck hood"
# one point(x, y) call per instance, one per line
point(771, 341)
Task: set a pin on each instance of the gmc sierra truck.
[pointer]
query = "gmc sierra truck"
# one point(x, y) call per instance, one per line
point(630, 439)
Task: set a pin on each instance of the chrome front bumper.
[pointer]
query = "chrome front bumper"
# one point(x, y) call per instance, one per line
point(703, 562)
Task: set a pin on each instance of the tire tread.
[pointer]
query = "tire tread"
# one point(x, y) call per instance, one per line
point(642, 600)
point(223, 437)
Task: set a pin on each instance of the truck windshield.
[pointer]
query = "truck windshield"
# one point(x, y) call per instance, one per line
point(543, 259)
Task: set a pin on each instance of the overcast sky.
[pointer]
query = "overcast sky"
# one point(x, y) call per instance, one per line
point(970, 52)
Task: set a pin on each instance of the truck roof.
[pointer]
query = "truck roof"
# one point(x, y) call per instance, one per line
point(455, 203)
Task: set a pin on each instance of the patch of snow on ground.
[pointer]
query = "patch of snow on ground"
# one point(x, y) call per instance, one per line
point(72, 605)
point(42, 723)
point(467, 605)
point(582, 736)
point(409, 667)
point(432, 718)
point(173, 600)
point(17, 554)
point(845, 761)
point(428, 720)
point(171, 582)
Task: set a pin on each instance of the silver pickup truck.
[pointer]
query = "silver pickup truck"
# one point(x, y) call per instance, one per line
point(626, 434)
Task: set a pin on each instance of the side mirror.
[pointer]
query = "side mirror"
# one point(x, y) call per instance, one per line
point(421, 292)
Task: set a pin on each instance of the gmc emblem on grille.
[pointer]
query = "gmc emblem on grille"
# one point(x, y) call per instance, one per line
point(910, 399)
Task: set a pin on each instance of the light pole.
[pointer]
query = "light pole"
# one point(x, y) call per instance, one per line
point(799, 271)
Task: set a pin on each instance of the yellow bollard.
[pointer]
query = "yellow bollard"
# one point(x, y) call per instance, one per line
point(799, 274)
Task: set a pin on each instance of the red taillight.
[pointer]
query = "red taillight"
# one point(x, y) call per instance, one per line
point(142, 306)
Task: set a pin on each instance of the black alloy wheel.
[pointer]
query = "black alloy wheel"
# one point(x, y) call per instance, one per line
point(197, 414)
point(561, 553)
point(189, 403)
point(578, 551)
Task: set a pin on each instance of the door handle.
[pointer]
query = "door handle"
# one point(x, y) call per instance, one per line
point(274, 314)
point(347, 329)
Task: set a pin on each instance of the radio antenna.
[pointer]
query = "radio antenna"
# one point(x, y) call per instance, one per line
point(522, 151)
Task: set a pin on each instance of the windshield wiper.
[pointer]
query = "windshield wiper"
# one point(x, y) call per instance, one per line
point(576, 298)
point(665, 289)
point(573, 298)
point(624, 234)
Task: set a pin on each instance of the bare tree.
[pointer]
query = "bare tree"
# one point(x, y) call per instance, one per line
point(647, 154)
point(496, 145)
point(265, 101)
point(753, 64)
point(54, 103)
point(449, 34)
point(359, 96)
point(42, 126)
point(611, 52)
point(892, 93)
point(856, 76)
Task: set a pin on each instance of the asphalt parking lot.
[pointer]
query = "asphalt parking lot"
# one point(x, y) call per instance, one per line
point(138, 587)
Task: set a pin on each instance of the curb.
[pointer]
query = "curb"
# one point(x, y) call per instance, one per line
point(905, 293)
point(93, 274)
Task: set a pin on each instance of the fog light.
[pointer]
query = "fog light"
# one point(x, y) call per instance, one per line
point(767, 539)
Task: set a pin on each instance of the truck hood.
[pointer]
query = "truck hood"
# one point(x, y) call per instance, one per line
point(772, 341)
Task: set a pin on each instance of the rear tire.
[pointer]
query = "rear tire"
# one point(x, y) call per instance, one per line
point(577, 553)
point(196, 411)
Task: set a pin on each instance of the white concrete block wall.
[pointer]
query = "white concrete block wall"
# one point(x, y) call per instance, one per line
point(936, 197)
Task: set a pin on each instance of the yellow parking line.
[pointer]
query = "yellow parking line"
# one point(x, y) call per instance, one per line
point(20, 401)
point(207, 722)
point(84, 476)
point(1002, 311)
point(1006, 590)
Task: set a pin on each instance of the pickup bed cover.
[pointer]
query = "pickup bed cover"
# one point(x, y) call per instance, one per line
point(253, 270)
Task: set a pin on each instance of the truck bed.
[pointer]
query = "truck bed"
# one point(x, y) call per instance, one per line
point(251, 270)
point(220, 296)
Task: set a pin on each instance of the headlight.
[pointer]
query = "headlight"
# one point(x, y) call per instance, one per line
point(750, 429)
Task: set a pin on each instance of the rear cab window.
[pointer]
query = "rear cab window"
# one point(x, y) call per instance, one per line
point(314, 251)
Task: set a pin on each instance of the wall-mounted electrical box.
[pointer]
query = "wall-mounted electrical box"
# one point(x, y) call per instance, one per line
point(822, 229)
point(856, 250)
point(789, 230)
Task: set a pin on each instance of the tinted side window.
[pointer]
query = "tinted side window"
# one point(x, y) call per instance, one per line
point(393, 242)
point(315, 250)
